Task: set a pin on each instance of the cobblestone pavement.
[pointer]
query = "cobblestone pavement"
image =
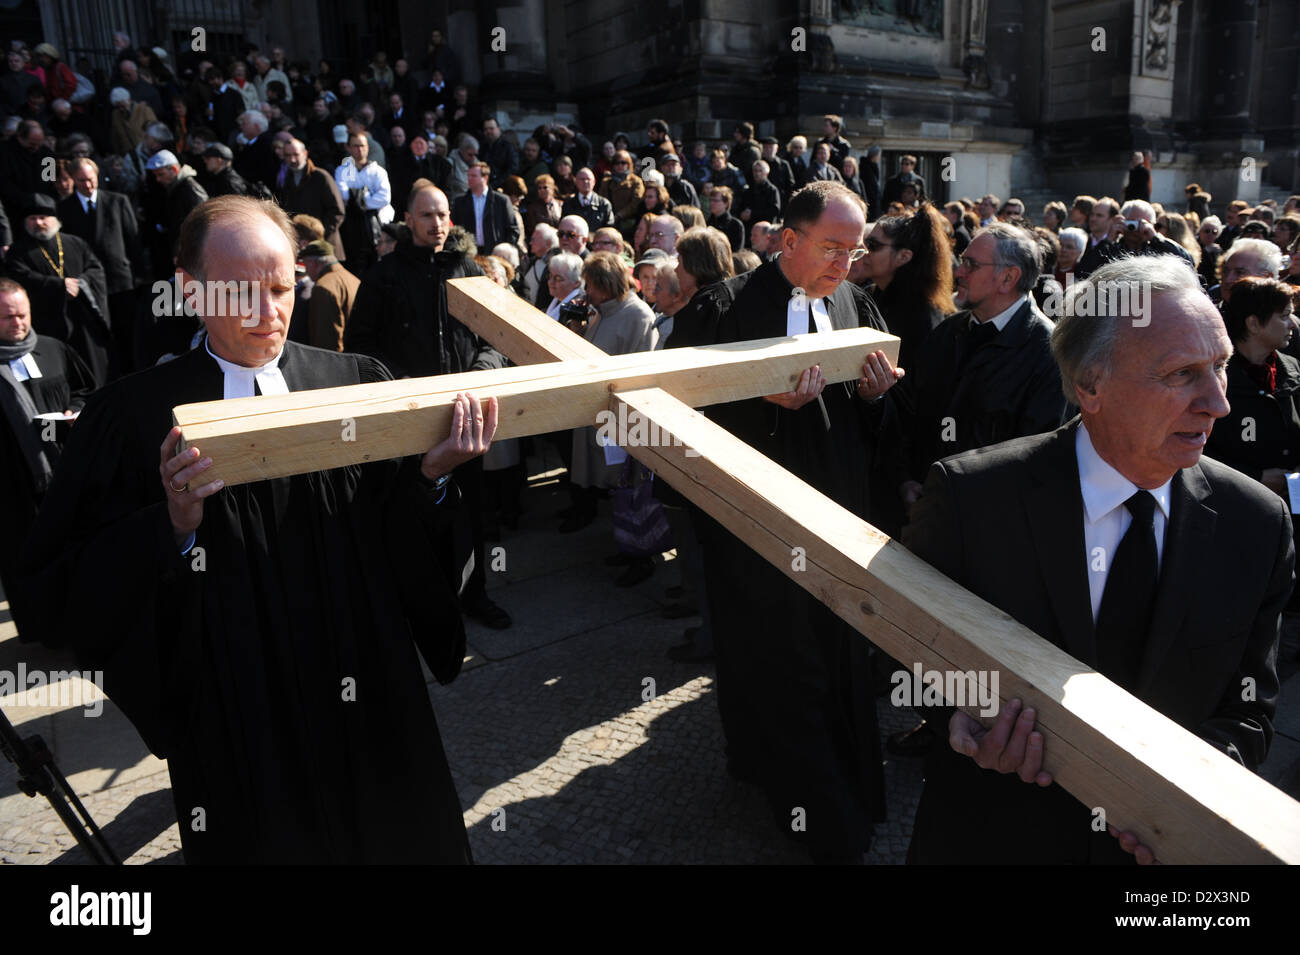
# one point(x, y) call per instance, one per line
point(562, 748)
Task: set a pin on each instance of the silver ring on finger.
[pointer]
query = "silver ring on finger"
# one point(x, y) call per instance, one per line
point(175, 489)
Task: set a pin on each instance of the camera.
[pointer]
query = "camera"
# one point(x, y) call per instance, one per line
point(1132, 225)
point(574, 312)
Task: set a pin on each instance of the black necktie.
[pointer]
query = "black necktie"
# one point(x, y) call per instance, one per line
point(1124, 620)
point(90, 207)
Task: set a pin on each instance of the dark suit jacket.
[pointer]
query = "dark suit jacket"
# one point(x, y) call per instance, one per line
point(598, 215)
point(1009, 388)
point(499, 222)
point(1007, 523)
point(316, 194)
point(257, 162)
point(112, 233)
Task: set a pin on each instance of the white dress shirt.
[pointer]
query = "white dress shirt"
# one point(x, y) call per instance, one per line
point(480, 205)
point(87, 200)
point(25, 367)
point(244, 382)
point(374, 179)
point(1105, 518)
point(796, 315)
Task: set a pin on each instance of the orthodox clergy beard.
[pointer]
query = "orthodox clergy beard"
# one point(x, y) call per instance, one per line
point(45, 235)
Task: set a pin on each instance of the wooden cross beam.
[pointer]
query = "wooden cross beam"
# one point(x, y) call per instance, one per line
point(1184, 799)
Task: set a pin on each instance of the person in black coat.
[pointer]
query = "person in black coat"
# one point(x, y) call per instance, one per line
point(1260, 436)
point(400, 317)
point(872, 182)
point(257, 161)
point(720, 217)
point(219, 177)
point(224, 105)
point(1138, 185)
point(1018, 524)
point(106, 222)
point(38, 375)
point(986, 374)
point(313, 192)
point(779, 172)
point(65, 284)
point(795, 709)
point(680, 190)
point(499, 223)
point(762, 201)
point(22, 159)
point(587, 204)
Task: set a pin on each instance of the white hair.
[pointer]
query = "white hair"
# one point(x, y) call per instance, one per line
point(1212, 222)
point(1138, 205)
point(258, 119)
point(567, 266)
point(119, 95)
point(548, 232)
point(1076, 237)
point(504, 250)
point(1267, 253)
point(578, 224)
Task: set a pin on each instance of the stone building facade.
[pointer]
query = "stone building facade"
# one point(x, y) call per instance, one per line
point(1048, 97)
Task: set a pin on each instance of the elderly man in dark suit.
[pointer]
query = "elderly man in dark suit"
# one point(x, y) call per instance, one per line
point(986, 374)
point(483, 213)
point(1115, 540)
point(595, 209)
point(106, 222)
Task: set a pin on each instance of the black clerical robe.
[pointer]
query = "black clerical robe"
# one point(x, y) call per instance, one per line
point(793, 679)
point(64, 385)
point(275, 668)
point(81, 322)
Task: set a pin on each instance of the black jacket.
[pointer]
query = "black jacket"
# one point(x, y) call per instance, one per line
point(225, 183)
point(731, 227)
point(316, 194)
point(1261, 431)
point(1007, 524)
point(682, 193)
point(112, 234)
point(257, 161)
point(1008, 388)
point(597, 215)
point(400, 316)
point(781, 175)
point(869, 173)
point(499, 221)
point(763, 200)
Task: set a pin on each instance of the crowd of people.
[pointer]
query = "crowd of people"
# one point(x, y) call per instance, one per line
point(384, 182)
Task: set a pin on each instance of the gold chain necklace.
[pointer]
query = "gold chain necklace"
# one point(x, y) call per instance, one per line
point(57, 268)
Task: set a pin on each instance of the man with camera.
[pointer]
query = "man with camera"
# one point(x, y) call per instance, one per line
point(1133, 232)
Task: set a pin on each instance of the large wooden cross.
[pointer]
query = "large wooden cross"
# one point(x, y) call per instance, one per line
point(1184, 799)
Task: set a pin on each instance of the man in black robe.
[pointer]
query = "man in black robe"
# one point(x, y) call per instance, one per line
point(66, 284)
point(38, 376)
point(262, 638)
point(793, 679)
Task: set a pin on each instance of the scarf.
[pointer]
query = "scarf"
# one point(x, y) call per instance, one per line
point(1264, 375)
point(20, 412)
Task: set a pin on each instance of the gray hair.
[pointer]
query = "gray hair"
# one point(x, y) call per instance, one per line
point(1212, 222)
point(548, 232)
point(258, 118)
point(504, 250)
point(160, 133)
point(1269, 255)
point(1138, 205)
point(666, 276)
point(467, 140)
point(1074, 236)
point(1084, 344)
point(1013, 247)
point(566, 265)
point(119, 94)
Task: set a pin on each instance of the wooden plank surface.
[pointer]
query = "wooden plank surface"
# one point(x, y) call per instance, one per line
point(1186, 800)
point(253, 439)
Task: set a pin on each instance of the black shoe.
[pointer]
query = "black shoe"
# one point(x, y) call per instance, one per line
point(679, 611)
point(576, 522)
point(641, 568)
point(488, 614)
point(914, 742)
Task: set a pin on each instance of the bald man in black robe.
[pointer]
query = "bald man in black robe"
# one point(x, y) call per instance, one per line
point(793, 679)
point(262, 638)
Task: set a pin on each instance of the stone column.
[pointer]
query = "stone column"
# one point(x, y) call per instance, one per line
point(1228, 83)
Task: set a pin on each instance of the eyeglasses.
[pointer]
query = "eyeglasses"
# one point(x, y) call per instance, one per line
point(875, 245)
point(832, 254)
point(660, 235)
point(566, 234)
point(620, 162)
point(970, 265)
